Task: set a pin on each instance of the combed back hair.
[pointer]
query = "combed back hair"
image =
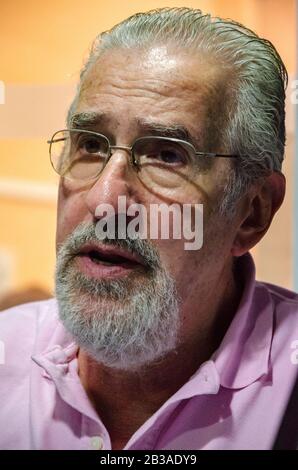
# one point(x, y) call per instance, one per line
point(255, 116)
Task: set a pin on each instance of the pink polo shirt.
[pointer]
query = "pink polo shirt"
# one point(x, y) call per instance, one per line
point(235, 400)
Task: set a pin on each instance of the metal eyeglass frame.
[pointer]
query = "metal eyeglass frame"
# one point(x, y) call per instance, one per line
point(130, 149)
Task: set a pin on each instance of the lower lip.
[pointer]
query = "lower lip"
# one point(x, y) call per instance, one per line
point(98, 270)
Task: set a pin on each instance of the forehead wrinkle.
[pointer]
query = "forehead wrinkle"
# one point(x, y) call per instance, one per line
point(144, 89)
point(141, 79)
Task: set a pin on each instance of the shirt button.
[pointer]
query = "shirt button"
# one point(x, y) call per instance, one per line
point(96, 442)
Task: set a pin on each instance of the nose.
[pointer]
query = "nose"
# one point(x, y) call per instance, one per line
point(118, 178)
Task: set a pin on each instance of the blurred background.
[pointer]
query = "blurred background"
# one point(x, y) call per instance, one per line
point(43, 46)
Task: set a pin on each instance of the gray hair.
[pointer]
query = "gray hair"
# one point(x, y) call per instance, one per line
point(255, 116)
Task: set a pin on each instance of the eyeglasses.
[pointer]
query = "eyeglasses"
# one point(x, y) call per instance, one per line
point(159, 161)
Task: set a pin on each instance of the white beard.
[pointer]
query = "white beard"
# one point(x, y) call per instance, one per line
point(123, 323)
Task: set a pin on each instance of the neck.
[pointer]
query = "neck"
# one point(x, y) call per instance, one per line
point(124, 400)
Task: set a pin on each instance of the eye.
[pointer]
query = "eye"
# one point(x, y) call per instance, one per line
point(171, 156)
point(162, 153)
point(92, 145)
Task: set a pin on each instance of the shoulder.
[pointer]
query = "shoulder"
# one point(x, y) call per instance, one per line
point(23, 318)
point(20, 327)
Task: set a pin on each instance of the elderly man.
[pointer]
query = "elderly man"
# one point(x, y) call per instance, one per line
point(149, 345)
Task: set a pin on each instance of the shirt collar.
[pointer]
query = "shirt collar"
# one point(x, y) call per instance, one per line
point(244, 353)
point(56, 354)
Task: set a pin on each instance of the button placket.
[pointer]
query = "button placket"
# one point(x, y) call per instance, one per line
point(95, 436)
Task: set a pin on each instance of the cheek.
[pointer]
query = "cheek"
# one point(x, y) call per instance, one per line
point(71, 211)
point(187, 268)
point(179, 262)
point(194, 269)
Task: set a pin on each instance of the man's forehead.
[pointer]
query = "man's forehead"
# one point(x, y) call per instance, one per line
point(158, 67)
point(181, 90)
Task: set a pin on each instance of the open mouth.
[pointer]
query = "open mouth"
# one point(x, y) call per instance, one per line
point(106, 261)
point(110, 259)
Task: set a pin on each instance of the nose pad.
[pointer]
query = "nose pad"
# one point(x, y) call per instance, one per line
point(129, 152)
point(121, 163)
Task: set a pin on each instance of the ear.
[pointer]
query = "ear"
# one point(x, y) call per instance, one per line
point(257, 210)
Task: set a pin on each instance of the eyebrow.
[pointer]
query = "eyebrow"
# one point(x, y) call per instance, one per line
point(90, 120)
point(86, 120)
point(176, 131)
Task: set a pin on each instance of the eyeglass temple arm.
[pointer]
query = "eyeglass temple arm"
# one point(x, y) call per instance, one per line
point(209, 154)
point(55, 140)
